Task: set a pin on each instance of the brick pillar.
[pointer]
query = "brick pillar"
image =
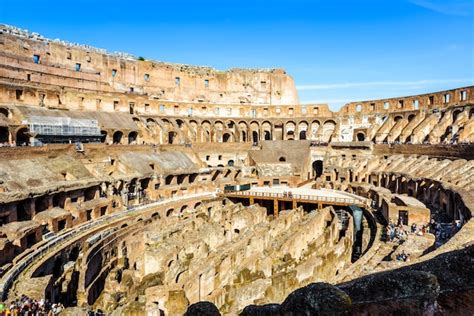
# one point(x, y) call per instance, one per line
point(275, 207)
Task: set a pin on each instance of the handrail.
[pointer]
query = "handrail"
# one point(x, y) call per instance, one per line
point(296, 196)
point(9, 277)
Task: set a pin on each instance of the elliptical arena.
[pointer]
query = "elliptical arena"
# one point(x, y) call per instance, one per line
point(140, 187)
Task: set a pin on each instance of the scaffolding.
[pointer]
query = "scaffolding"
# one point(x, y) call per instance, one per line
point(63, 126)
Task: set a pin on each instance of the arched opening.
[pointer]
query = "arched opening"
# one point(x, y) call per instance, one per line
point(103, 136)
point(168, 179)
point(22, 138)
point(255, 137)
point(169, 212)
point(171, 137)
point(181, 178)
point(226, 137)
point(398, 118)
point(132, 137)
point(230, 163)
point(4, 112)
point(183, 208)
point(290, 135)
point(243, 136)
point(471, 113)
point(318, 168)
point(302, 135)
point(267, 135)
point(117, 137)
point(411, 117)
point(282, 159)
point(360, 137)
point(4, 135)
point(59, 199)
point(456, 114)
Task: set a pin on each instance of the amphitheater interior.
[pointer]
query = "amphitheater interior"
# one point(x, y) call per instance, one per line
point(131, 186)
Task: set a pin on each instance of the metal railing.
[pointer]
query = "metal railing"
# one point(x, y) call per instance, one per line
point(292, 196)
point(11, 275)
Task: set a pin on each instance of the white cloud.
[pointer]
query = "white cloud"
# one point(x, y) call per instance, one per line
point(379, 83)
point(451, 7)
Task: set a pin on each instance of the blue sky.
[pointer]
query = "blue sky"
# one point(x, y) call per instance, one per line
point(337, 51)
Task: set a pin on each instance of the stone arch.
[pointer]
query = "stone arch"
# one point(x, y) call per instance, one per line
point(360, 136)
point(267, 135)
point(398, 118)
point(243, 130)
point(303, 130)
point(103, 136)
point(169, 212)
point(172, 137)
point(317, 168)
point(411, 117)
point(4, 135)
point(132, 137)
point(227, 137)
point(180, 123)
point(267, 130)
point(22, 137)
point(4, 112)
point(328, 128)
point(456, 113)
point(290, 129)
point(117, 137)
point(255, 137)
point(206, 131)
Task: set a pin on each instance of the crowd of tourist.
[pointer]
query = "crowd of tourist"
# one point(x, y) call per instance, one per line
point(397, 232)
point(441, 231)
point(444, 231)
point(26, 306)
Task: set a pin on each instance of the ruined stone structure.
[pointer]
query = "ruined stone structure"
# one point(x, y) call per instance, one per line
point(135, 186)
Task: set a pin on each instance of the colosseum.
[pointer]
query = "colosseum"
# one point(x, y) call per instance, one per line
point(136, 187)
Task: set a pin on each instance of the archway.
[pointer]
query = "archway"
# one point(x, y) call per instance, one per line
point(4, 135)
point(103, 136)
point(226, 137)
point(318, 168)
point(282, 159)
point(117, 137)
point(290, 135)
point(360, 137)
point(243, 136)
point(302, 135)
point(132, 137)
point(267, 135)
point(22, 138)
point(4, 112)
point(456, 114)
point(171, 137)
point(255, 137)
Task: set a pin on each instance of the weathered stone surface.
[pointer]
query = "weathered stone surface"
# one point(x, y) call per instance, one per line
point(202, 309)
point(317, 299)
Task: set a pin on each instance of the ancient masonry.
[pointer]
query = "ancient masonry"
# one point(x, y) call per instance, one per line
point(142, 187)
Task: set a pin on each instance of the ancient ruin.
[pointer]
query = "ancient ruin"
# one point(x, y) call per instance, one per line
point(133, 187)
